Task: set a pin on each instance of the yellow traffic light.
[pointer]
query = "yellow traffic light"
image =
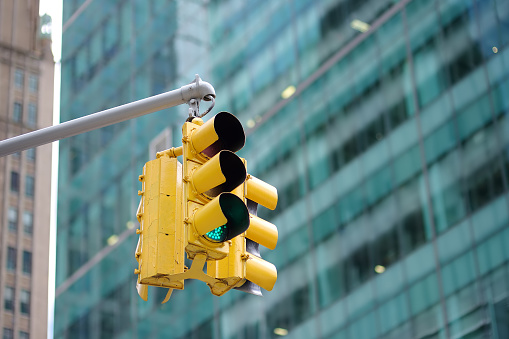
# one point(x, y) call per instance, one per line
point(211, 170)
point(244, 263)
point(205, 207)
point(160, 250)
point(259, 273)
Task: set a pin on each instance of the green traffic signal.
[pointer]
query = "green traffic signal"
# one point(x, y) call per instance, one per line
point(218, 234)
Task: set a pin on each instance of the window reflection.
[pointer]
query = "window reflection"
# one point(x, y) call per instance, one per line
point(430, 79)
point(386, 250)
point(290, 311)
point(485, 184)
point(414, 232)
point(331, 283)
point(358, 268)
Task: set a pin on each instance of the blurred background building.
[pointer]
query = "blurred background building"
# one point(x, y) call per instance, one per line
point(383, 124)
point(26, 104)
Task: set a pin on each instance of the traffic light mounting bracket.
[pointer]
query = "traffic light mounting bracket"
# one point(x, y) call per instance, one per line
point(217, 286)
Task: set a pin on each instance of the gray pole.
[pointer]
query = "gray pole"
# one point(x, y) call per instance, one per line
point(198, 89)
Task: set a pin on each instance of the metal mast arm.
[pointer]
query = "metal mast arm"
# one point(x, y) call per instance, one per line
point(197, 90)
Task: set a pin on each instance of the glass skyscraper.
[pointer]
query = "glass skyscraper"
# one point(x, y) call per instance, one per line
point(383, 124)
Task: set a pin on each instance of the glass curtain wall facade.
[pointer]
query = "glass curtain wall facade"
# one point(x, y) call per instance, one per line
point(114, 52)
point(391, 160)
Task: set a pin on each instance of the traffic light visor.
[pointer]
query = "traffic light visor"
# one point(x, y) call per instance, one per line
point(261, 192)
point(261, 272)
point(223, 218)
point(223, 132)
point(262, 232)
point(224, 172)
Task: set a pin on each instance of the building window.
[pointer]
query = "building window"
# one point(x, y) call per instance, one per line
point(24, 300)
point(28, 222)
point(31, 154)
point(29, 186)
point(9, 298)
point(17, 112)
point(32, 114)
point(27, 262)
point(33, 83)
point(8, 333)
point(14, 181)
point(13, 219)
point(23, 335)
point(19, 78)
point(11, 258)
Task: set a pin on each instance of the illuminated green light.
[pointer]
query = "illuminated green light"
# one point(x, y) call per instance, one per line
point(218, 234)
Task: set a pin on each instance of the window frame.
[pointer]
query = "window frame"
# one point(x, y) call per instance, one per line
point(15, 184)
point(27, 263)
point(12, 254)
point(29, 186)
point(28, 227)
point(17, 112)
point(32, 114)
point(24, 301)
point(19, 78)
point(9, 302)
point(33, 83)
point(13, 218)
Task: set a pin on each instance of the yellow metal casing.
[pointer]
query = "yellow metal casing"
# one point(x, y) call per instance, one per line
point(261, 192)
point(202, 208)
point(262, 232)
point(210, 171)
point(193, 200)
point(209, 217)
point(261, 272)
point(208, 176)
point(258, 271)
point(204, 137)
point(242, 266)
point(231, 268)
point(160, 250)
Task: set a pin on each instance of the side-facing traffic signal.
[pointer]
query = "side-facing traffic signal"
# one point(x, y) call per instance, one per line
point(160, 250)
point(259, 272)
point(244, 263)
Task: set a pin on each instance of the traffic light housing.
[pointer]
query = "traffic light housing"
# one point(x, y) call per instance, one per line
point(244, 263)
point(211, 170)
point(160, 249)
point(204, 208)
